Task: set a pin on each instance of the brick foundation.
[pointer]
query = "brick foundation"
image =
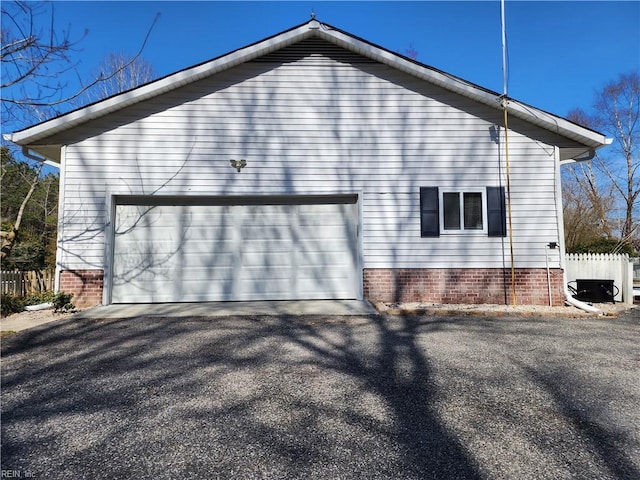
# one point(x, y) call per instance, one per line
point(468, 285)
point(86, 286)
point(433, 285)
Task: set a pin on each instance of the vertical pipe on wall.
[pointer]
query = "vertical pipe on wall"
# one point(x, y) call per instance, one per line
point(61, 217)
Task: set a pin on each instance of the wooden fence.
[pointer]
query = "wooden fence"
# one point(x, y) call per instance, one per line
point(603, 266)
point(27, 283)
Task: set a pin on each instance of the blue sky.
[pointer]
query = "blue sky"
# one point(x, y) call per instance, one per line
point(559, 53)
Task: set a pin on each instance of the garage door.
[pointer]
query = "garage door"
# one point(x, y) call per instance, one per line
point(254, 248)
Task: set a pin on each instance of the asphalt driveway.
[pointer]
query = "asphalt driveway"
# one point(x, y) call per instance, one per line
point(314, 397)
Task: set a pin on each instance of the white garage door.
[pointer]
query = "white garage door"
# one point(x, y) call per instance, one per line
point(278, 248)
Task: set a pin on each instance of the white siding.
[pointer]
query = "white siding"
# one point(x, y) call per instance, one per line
point(316, 125)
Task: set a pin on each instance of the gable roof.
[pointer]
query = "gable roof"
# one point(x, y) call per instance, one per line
point(35, 137)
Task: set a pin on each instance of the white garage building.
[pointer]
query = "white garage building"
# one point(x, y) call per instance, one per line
point(311, 164)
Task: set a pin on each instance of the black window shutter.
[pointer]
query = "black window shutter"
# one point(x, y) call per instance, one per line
point(429, 216)
point(496, 212)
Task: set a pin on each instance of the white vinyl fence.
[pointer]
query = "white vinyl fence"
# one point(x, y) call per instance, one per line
point(636, 269)
point(603, 266)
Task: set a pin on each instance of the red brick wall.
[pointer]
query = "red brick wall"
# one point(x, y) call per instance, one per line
point(429, 285)
point(86, 286)
point(469, 285)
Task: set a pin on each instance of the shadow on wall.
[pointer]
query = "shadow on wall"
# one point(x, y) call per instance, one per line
point(326, 132)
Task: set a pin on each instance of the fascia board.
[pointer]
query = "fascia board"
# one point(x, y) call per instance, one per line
point(398, 62)
point(557, 124)
point(530, 114)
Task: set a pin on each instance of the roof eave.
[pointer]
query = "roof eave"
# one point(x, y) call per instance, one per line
point(31, 136)
point(590, 138)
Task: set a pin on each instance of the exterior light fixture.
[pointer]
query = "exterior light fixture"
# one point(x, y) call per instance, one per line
point(238, 164)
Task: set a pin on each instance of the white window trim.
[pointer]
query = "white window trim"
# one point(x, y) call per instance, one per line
point(462, 231)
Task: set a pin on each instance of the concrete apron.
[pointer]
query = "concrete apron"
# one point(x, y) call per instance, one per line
point(220, 309)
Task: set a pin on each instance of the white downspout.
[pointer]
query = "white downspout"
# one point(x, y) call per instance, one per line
point(563, 264)
point(569, 298)
point(61, 195)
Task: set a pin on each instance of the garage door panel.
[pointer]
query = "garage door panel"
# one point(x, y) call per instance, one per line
point(204, 246)
point(131, 215)
point(332, 282)
point(324, 245)
point(264, 270)
point(171, 253)
point(265, 244)
point(204, 235)
point(279, 282)
point(264, 233)
point(205, 268)
point(262, 266)
point(146, 263)
point(309, 289)
point(266, 248)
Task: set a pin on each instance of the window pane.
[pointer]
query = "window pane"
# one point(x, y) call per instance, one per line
point(473, 211)
point(451, 205)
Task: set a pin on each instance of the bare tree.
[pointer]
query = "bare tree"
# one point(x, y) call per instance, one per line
point(38, 60)
point(34, 57)
point(121, 73)
point(587, 206)
point(9, 237)
point(611, 185)
point(617, 112)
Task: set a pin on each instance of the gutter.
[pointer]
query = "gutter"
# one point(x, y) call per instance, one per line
point(589, 155)
point(46, 161)
point(584, 158)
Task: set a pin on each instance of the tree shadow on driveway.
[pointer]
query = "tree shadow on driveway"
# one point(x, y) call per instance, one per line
point(280, 397)
point(263, 397)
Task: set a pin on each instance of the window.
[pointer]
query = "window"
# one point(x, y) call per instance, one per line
point(462, 211)
point(472, 211)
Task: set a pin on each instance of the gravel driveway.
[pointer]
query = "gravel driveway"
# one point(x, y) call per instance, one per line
point(323, 398)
